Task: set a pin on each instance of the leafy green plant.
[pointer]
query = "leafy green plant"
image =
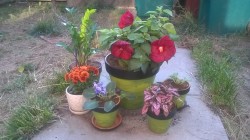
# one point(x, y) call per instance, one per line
point(81, 38)
point(139, 44)
point(176, 79)
point(101, 96)
point(29, 118)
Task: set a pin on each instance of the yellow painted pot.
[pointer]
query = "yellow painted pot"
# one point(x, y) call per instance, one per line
point(131, 82)
point(134, 88)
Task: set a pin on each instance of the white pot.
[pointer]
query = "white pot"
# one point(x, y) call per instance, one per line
point(76, 103)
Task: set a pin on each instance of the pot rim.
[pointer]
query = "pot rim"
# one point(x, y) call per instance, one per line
point(128, 74)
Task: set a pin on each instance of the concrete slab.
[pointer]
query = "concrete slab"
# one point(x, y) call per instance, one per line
point(196, 122)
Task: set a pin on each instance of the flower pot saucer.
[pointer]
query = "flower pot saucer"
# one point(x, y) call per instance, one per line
point(117, 123)
point(78, 112)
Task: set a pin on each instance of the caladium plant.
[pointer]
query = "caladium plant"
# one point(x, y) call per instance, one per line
point(159, 98)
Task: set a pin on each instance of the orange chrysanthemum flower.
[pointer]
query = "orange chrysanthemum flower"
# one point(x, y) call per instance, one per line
point(80, 74)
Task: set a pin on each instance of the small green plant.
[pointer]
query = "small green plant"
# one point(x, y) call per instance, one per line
point(177, 80)
point(29, 118)
point(45, 27)
point(57, 85)
point(82, 38)
point(19, 83)
point(101, 96)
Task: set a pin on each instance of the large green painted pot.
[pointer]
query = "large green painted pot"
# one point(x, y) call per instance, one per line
point(160, 124)
point(133, 83)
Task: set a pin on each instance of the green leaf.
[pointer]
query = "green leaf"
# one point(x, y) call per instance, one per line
point(111, 87)
point(134, 64)
point(153, 38)
point(174, 37)
point(137, 19)
point(169, 12)
point(134, 36)
point(151, 12)
point(90, 104)
point(146, 47)
point(144, 29)
point(108, 106)
point(61, 44)
point(155, 26)
point(20, 69)
point(170, 28)
point(144, 67)
point(147, 36)
point(89, 93)
point(139, 40)
point(126, 29)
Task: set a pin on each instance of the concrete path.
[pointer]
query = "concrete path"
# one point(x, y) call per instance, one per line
point(196, 122)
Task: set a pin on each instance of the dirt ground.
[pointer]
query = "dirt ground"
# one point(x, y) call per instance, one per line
point(17, 47)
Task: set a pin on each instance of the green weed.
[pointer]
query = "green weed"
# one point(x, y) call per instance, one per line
point(29, 118)
point(18, 83)
point(217, 74)
point(45, 27)
point(57, 85)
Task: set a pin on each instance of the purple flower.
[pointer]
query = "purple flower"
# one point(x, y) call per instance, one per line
point(99, 89)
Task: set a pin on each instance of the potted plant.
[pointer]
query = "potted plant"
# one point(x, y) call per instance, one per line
point(138, 48)
point(159, 107)
point(182, 86)
point(103, 101)
point(81, 39)
point(80, 78)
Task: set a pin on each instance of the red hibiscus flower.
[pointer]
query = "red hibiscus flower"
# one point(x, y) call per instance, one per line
point(162, 49)
point(122, 49)
point(126, 19)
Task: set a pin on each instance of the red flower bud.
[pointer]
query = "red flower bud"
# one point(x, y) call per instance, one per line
point(126, 19)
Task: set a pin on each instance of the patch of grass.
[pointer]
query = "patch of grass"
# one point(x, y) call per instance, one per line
point(45, 27)
point(19, 83)
point(217, 73)
point(29, 118)
point(57, 85)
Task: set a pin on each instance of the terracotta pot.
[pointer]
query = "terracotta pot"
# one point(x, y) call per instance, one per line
point(76, 103)
point(133, 83)
point(160, 124)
